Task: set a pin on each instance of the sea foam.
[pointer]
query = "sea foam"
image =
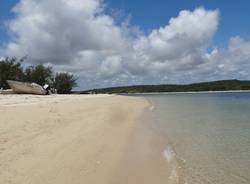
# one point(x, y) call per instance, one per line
point(169, 154)
point(151, 108)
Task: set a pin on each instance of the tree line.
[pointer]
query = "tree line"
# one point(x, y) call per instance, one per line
point(12, 69)
point(224, 85)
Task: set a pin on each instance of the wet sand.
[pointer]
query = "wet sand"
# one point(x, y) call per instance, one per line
point(147, 159)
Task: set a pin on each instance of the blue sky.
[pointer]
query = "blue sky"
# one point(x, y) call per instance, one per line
point(153, 14)
point(148, 15)
point(5, 14)
point(166, 41)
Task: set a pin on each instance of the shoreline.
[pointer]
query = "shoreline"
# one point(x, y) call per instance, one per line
point(195, 130)
point(149, 158)
point(189, 92)
point(65, 139)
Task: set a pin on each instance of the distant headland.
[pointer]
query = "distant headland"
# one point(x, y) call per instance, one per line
point(222, 85)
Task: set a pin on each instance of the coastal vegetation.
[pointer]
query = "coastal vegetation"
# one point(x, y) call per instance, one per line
point(223, 85)
point(12, 69)
point(64, 82)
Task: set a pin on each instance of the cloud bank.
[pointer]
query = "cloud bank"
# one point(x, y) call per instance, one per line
point(79, 37)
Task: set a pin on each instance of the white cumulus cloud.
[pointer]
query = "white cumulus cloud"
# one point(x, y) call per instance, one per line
point(79, 37)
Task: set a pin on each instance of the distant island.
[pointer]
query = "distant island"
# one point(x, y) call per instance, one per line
point(222, 85)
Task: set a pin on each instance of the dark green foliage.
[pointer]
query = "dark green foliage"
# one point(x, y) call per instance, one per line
point(39, 74)
point(224, 85)
point(64, 82)
point(10, 69)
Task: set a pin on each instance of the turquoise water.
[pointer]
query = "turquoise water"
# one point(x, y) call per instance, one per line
point(209, 133)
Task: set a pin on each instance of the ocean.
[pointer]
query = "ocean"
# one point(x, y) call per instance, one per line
point(207, 133)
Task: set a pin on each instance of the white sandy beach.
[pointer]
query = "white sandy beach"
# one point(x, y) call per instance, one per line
point(64, 139)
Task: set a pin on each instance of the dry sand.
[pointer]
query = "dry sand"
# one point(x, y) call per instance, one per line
point(64, 139)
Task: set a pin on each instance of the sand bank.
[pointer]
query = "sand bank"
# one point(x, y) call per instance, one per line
point(64, 139)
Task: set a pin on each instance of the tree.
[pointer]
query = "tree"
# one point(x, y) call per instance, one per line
point(10, 69)
point(39, 74)
point(64, 82)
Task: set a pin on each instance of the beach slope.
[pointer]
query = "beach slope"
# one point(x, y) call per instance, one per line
point(64, 139)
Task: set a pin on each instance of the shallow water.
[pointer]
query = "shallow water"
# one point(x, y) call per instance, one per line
point(209, 134)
